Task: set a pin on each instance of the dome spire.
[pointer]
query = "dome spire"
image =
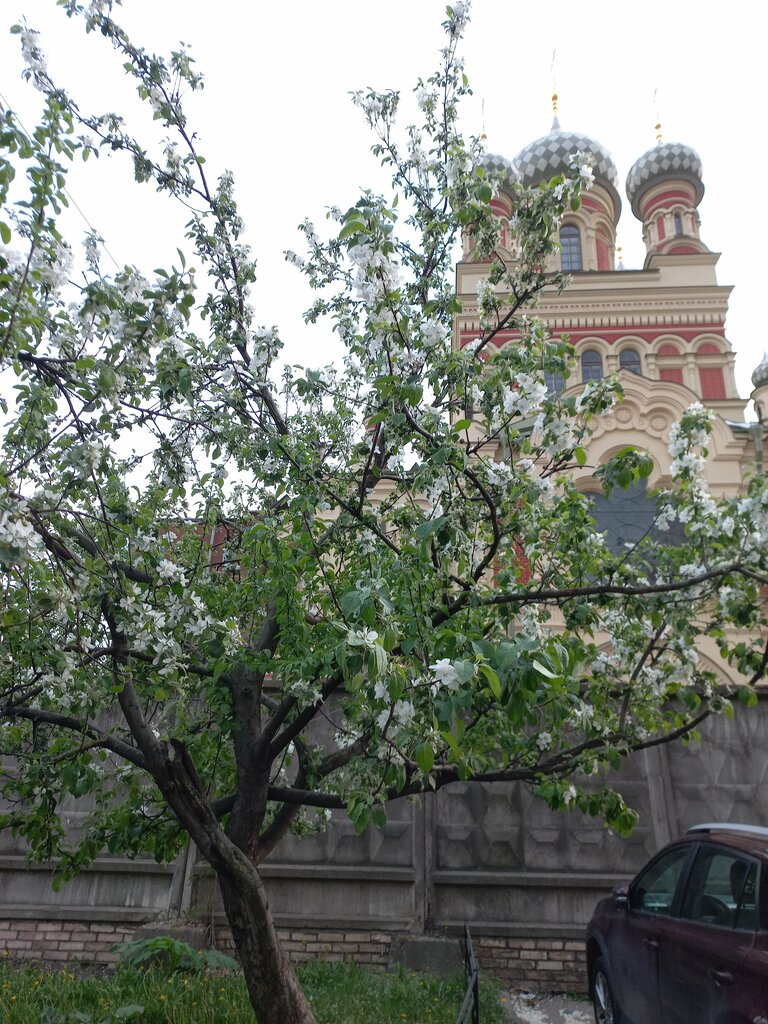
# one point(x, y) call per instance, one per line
point(657, 126)
point(555, 119)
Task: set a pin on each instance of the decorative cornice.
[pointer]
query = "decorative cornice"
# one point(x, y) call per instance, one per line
point(667, 316)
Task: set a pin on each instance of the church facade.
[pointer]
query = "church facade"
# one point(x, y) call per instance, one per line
point(661, 328)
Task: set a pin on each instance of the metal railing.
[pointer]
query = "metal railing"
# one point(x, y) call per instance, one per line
point(470, 1008)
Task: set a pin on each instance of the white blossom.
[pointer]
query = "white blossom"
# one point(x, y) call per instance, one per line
point(416, 152)
point(457, 165)
point(53, 266)
point(526, 398)
point(433, 333)
point(19, 535)
point(169, 572)
point(460, 18)
point(376, 274)
point(500, 474)
point(34, 57)
point(424, 98)
point(404, 712)
point(587, 176)
point(444, 676)
point(486, 300)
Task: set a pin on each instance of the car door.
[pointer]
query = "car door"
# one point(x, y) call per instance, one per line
point(701, 975)
point(638, 939)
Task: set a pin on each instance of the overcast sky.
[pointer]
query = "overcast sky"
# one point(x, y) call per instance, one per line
point(276, 111)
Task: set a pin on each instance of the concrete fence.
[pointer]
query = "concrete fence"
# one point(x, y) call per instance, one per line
point(524, 879)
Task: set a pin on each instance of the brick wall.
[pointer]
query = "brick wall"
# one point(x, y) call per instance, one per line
point(544, 965)
point(62, 940)
point(548, 965)
point(362, 947)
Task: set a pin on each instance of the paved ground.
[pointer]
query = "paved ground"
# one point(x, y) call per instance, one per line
point(532, 1008)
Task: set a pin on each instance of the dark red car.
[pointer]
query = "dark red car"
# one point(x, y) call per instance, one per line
point(686, 942)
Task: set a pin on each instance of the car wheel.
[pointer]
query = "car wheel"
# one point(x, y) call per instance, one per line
point(606, 1011)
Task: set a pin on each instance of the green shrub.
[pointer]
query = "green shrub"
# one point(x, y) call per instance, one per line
point(173, 956)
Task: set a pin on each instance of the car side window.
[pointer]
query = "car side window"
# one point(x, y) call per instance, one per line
point(721, 890)
point(654, 890)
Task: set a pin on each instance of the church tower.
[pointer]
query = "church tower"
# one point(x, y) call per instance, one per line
point(664, 188)
point(587, 236)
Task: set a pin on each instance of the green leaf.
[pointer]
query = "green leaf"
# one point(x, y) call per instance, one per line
point(424, 757)
point(544, 671)
point(430, 527)
point(378, 817)
point(351, 602)
point(354, 227)
point(483, 648)
point(462, 425)
point(465, 670)
point(581, 456)
point(5, 233)
point(493, 680)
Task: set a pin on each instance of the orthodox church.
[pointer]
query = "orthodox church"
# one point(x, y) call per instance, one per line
point(661, 327)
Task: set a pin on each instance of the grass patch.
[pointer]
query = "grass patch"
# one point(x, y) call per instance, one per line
point(339, 993)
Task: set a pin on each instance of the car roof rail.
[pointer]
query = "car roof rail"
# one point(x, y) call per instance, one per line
point(727, 826)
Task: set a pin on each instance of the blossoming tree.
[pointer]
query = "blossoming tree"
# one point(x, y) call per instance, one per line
point(207, 553)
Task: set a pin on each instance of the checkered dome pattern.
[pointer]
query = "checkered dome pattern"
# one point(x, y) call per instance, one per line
point(551, 154)
point(663, 161)
point(496, 164)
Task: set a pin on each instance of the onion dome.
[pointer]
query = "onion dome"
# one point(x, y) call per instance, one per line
point(551, 155)
point(496, 164)
point(666, 161)
point(760, 374)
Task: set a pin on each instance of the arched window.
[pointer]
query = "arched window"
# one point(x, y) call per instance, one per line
point(591, 365)
point(678, 224)
point(629, 359)
point(625, 517)
point(570, 248)
point(555, 383)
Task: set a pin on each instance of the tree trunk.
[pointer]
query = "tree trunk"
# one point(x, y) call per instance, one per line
point(274, 989)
